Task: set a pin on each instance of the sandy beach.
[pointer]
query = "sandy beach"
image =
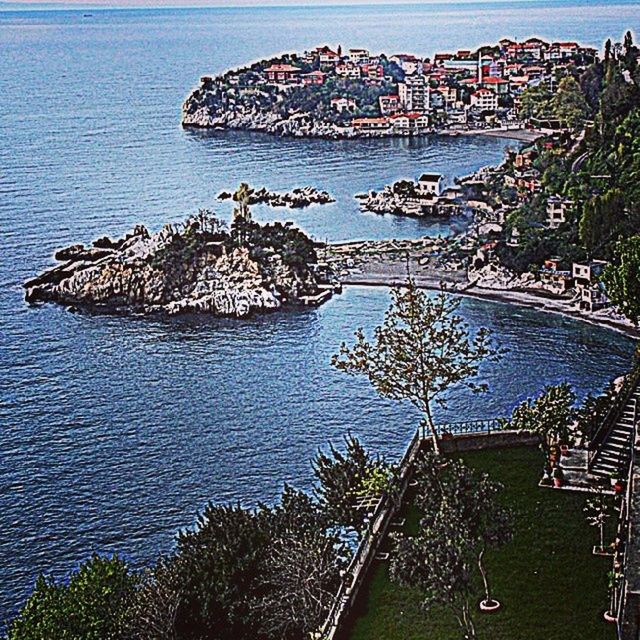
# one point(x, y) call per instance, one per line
point(387, 263)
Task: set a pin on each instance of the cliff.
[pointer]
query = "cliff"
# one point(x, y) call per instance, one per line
point(196, 267)
point(204, 108)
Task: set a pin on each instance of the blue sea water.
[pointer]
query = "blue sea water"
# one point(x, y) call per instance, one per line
point(115, 431)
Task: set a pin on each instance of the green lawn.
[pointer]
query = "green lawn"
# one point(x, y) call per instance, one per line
point(550, 585)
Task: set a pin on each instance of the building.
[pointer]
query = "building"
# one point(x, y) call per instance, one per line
point(327, 56)
point(431, 184)
point(411, 124)
point(557, 210)
point(553, 278)
point(282, 73)
point(587, 273)
point(414, 94)
point(343, 104)
point(372, 71)
point(408, 63)
point(592, 294)
point(371, 125)
point(314, 78)
point(499, 86)
point(359, 56)
point(449, 95)
point(389, 104)
point(348, 70)
point(484, 100)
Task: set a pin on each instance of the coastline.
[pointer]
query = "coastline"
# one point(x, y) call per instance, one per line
point(516, 297)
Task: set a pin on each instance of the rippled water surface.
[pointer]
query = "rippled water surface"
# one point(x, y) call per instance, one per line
point(115, 431)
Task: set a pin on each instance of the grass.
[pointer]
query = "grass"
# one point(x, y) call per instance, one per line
point(549, 584)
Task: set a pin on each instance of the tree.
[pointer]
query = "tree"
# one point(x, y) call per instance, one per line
point(569, 104)
point(536, 101)
point(461, 520)
point(302, 576)
point(548, 416)
point(473, 496)
point(342, 477)
point(95, 604)
point(242, 213)
point(622, 278)
point(422, 350)
point(597, 510)
point(157, 601)
point(232, 563)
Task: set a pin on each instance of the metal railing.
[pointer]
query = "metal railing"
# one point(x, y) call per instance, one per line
point(613, 414)
point(471, 426)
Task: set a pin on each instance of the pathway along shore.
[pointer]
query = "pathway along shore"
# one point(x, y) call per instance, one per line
point(386, 262)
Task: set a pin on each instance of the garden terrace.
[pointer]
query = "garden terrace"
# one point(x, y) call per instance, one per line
point(549, 583)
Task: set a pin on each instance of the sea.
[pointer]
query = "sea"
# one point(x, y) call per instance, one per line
point(116, 431)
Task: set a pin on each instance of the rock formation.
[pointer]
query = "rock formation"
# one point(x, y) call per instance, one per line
point(182, 270)
point(295, 199)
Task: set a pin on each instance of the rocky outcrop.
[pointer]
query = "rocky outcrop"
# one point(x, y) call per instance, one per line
point(295, 199)
point(201, 111)
point(173, 271)
point(497, 276)
point(404, 199)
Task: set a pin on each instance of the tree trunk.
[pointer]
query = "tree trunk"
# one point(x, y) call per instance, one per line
point(432, 428)
point(483, 573)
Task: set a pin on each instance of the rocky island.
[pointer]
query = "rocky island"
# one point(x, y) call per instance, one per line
point(331, 93)
point(298, 198)
point(196, 267)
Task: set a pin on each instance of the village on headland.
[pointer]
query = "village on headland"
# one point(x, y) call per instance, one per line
point(356, 93)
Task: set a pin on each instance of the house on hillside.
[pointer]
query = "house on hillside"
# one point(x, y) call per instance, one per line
point(343, 104)
point(484, 100)
point(282, 73)
point(389, 104)
point(592, 294)
point(557, 210)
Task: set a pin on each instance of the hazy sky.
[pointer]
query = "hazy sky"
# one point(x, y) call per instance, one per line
point(232, 3)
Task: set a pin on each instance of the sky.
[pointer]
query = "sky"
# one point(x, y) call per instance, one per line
point(227, 3)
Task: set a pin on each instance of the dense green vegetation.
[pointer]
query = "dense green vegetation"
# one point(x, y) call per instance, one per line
point(600, 174)
point(547, 580)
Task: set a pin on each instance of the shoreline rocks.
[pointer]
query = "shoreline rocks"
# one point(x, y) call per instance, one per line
point(298, 198)
point(404, 199)
point(179, 270)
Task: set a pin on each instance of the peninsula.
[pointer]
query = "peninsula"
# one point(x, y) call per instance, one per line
point(356, 93)
point(196, 267)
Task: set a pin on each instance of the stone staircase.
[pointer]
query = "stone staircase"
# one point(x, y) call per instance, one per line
point(614, 453)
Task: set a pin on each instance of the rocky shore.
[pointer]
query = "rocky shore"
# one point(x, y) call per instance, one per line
point(405, 199)
point(196, 267)
point(198, 112)
point(295, 199)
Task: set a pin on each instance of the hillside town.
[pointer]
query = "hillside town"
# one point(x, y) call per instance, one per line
point(331, 92)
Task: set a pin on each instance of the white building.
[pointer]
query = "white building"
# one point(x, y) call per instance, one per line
point(431, 184)
point(343, 104)
point(484, 100)
point(557, 209)
point(348, 70)
point(414, 94)
point(359, 56)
